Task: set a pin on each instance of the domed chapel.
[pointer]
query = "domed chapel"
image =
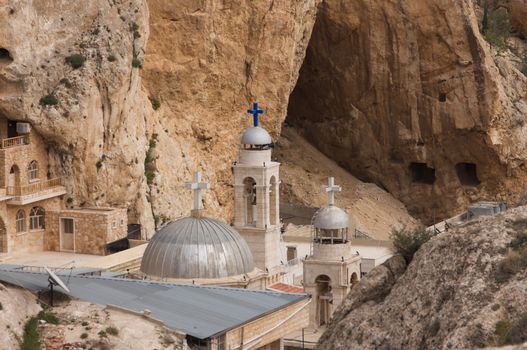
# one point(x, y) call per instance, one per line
point(202, 250)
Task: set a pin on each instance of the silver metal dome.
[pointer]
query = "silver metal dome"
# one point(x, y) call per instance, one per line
point(256, 136)
point(330, 218)
point(197, 248)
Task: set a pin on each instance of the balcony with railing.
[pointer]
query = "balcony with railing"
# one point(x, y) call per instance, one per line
point(36, 191)
point(14, 142)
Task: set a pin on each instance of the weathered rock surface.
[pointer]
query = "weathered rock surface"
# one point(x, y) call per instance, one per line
point(304, 169)
point(16, 306)
point(97, 134)
point(389, 83)
point(206, 62)
point(448, 297)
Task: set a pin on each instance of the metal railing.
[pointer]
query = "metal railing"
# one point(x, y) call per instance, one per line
point(35, 187)
point(293, 262)
point(15, 141)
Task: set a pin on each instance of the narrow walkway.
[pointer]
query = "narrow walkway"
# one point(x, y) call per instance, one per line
point(49, 259)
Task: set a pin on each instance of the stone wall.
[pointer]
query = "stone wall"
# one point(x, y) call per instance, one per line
point(94, 229)
point(21, 156)
point(29, 240)
point(256, 328)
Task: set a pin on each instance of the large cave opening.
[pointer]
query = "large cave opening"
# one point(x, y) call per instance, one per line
point(353, 102)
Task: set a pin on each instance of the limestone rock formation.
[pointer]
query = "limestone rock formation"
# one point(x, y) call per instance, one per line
point(409, 95)
point(16, 306)
point(206, 62)
point(451, 296)
point(97, 133)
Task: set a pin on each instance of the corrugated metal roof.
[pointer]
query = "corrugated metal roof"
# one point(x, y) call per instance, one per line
point(200, 311)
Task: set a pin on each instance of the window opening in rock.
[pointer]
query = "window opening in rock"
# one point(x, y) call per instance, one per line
point(442, 97)
point(467, 174)
point(5, 57)
point(421, 173)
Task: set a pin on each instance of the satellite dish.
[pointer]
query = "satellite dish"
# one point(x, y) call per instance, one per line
point(53, 278)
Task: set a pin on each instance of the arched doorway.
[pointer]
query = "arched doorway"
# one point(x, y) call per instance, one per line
point(273, 188)
point(324, 299)
point(14, 177)
point(354, 279)
point(249, 193)
point(3, 237)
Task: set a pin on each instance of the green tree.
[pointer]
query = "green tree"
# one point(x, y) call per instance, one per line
point(407, 242)
point(485, 21)
point(498, 28)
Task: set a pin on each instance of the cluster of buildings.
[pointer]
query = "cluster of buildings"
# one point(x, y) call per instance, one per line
point(288, 292)
point(34, 210)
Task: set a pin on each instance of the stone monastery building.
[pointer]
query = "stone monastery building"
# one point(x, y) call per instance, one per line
point(33, 213)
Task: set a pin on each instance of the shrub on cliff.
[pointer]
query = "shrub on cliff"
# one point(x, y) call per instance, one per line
point(497, 28)
point(509, 333)
point(408, 241)
point(76, 61)
point(49, 100)
point(524, 63)
point(155, 103)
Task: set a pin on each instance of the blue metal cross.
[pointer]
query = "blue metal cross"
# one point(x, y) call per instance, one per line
point(255, 111)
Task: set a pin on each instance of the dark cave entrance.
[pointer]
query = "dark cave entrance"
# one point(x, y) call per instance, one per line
point(467, 174)
point(423, 174)
point(5, 57)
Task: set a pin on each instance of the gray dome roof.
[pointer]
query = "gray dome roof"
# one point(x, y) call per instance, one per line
point(197, 248)
point(256, 136)
point(330, 218)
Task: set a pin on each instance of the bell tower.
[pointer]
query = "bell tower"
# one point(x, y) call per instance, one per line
point(256, 195)
point(333, 268)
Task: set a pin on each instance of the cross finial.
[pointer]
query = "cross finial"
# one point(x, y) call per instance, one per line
point(255, 111)
point(197, 186)
point(331, 189)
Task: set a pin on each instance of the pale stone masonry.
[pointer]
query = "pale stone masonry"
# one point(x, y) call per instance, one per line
point(99, 226)
point(267, 333)
point(256, 203)
point(32, 201)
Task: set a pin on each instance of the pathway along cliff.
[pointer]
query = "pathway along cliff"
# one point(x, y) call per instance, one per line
point(463, 289)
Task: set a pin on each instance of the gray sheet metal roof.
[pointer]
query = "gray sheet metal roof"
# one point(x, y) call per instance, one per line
point(200, 311)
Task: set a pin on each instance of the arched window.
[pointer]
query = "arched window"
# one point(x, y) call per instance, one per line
point(20, 221)
point(32, 170)
point(36, 218)
point(250, 199)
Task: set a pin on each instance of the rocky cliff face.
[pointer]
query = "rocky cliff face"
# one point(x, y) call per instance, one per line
point(451, 296)
point(205, 62)
point(97, 133)
point(410, 95)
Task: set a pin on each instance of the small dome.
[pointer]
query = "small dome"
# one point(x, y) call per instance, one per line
point(256, 136)
point(330, 218)
point(197, 248)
